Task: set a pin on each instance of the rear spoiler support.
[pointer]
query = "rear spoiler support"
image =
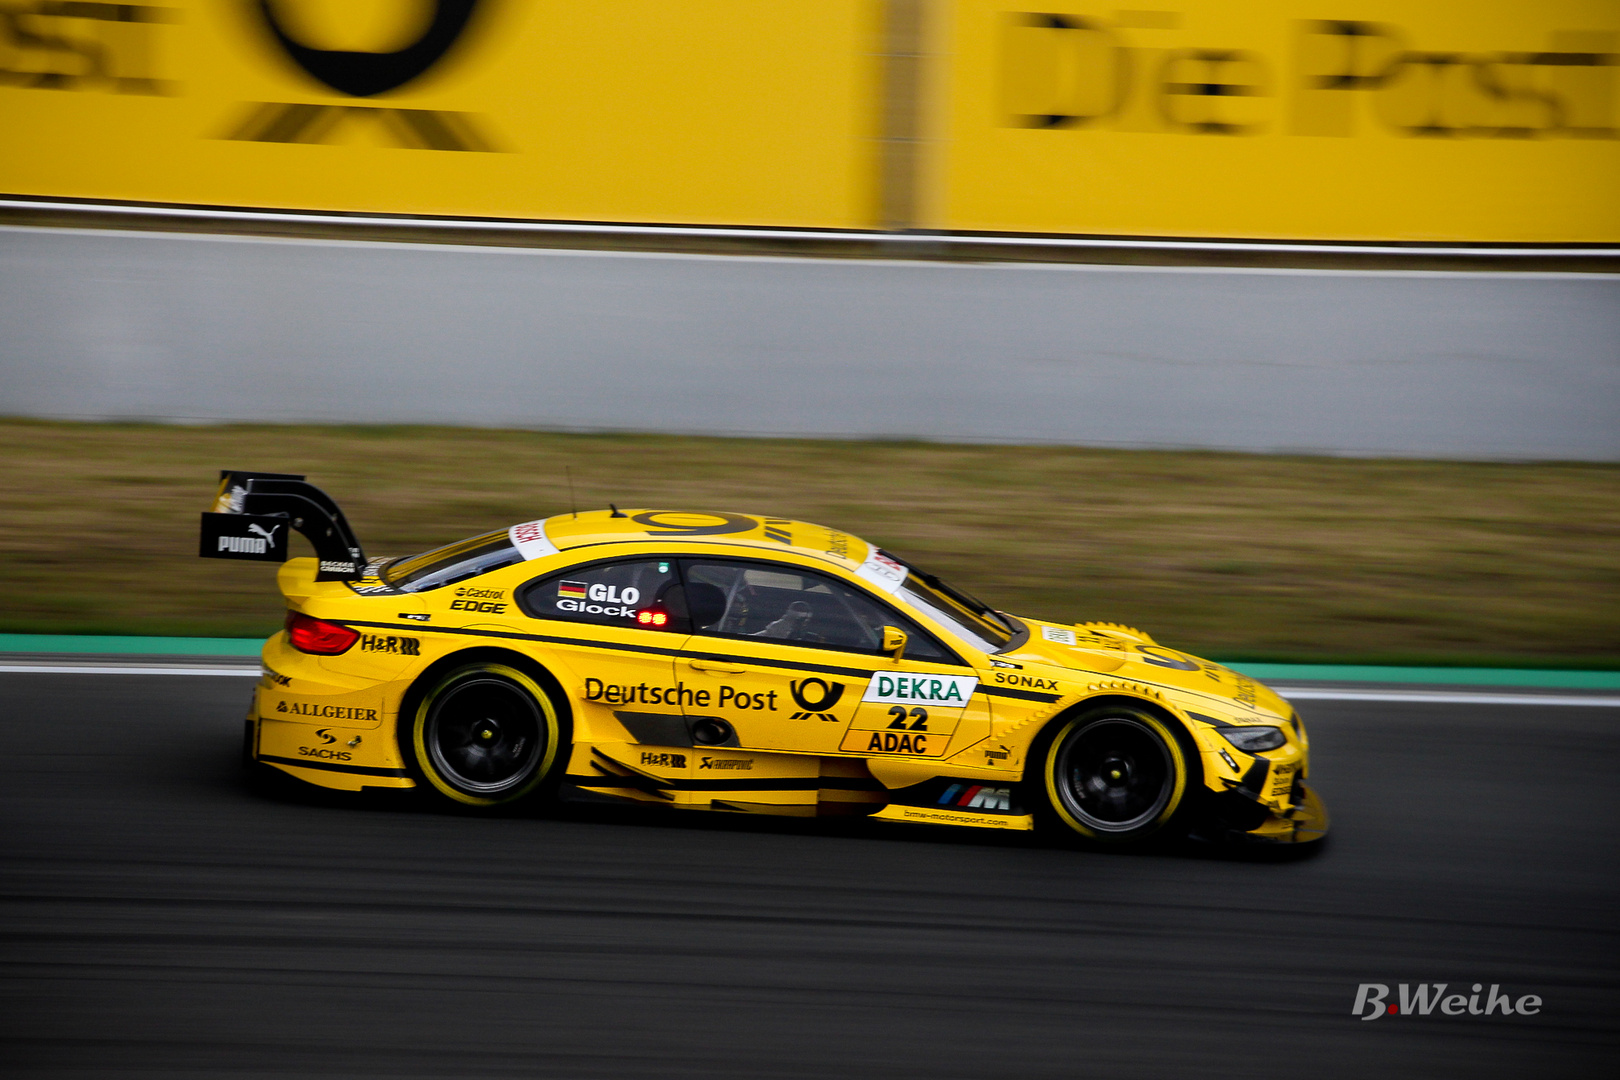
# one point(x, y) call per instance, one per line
point(254, 512)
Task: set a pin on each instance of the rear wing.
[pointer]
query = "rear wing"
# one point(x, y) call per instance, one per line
point(254, 512)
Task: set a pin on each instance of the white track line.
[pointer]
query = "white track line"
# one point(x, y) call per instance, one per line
point(1304, 693)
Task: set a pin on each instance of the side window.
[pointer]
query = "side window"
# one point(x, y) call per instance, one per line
point(607, 594)
point(783, 603)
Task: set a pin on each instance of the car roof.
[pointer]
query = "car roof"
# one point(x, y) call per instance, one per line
point(683, 527)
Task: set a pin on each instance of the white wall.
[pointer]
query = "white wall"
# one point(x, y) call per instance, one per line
point(109, 324)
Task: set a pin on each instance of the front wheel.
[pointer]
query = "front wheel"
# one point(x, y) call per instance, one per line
point(485, 735)
point(1114, 774)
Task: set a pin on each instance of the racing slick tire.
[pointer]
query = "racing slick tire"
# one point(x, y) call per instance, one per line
point(1114, 774)
point(485, 735)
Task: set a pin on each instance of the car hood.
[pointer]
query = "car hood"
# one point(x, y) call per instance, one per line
point(1123, 652)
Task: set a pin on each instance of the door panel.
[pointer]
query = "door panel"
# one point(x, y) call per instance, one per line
point(620, 675)
point(791, 659)
point(775, 696)
point(918, 710)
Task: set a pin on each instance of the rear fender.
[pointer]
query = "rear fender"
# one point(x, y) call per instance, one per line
point(296, 580)
point(430, 675)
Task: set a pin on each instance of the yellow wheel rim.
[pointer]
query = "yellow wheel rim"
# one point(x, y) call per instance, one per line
point(487, 734)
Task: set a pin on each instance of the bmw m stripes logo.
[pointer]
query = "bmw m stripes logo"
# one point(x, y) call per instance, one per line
point(975, 797)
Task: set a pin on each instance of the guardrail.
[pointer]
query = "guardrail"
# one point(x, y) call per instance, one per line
point(909, 244)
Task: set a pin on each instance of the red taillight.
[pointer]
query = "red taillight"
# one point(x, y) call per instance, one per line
point(318, 636)
point(653, 617)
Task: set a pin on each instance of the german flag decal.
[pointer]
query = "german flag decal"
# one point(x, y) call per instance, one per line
point(571, 590)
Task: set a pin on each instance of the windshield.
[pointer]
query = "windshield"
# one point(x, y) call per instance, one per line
point(973, 619)
point(452, 563)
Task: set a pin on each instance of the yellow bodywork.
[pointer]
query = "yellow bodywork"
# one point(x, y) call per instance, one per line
point(815, 728)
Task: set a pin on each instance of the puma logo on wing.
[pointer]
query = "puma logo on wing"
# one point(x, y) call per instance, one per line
point(269, 537)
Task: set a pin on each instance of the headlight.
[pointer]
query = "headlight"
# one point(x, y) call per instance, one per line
point(1250, 739)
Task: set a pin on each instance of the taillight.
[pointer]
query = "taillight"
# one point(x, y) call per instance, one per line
point(656, 618)
point(318, 636)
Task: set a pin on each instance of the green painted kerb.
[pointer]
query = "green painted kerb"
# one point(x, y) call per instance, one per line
point(1455, 676)
point(140, 646)
point(1568, 680)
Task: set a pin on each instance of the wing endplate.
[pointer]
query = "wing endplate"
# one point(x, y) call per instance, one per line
point(253, 513)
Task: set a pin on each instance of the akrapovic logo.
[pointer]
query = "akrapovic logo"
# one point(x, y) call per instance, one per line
point(1373, 1001)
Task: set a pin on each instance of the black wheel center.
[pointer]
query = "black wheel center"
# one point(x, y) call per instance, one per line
point(485, 736)
point(1116, 774)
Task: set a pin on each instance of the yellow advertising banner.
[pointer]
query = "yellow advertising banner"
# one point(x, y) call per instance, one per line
point(1380, 120)
point(704, 111)
point(1420, 120)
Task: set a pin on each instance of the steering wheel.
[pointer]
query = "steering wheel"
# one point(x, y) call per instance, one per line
point(792, 625)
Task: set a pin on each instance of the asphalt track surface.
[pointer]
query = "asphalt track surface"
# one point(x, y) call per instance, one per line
point(161, 919)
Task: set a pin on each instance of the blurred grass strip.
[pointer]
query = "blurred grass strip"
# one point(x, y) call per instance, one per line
point(1261, 558)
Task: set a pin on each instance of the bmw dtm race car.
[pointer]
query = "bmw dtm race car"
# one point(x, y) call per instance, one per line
point(722, 661)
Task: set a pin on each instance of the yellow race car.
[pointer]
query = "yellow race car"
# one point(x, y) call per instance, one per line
point(722, 661)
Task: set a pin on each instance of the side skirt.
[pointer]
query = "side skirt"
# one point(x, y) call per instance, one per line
point(792, 785)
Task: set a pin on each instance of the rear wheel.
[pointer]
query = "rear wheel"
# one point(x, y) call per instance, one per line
point(485, 735)
point(1114, 774)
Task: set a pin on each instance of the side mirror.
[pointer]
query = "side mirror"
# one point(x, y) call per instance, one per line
point(894, 641)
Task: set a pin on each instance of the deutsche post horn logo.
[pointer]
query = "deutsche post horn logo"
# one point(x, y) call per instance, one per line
point(366, 74)
point(824, 695)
